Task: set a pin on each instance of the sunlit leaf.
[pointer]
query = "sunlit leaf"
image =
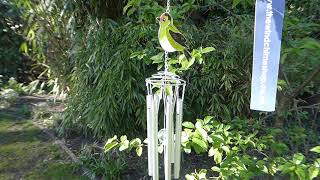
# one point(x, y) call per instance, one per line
point(188, 125)
point(139, 150)
point(316, 149)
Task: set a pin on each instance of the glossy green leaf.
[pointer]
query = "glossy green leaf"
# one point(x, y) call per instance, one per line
point(226, 149)
point(215, 169)
point(300, 173)
point(313, 172)
point(139, 150)
point(199, 145)
point(110, 146)
point(218, 157)
point(208, 49)
point(212, 151)
point(135, 142)
point(316, 149)
point(188, 125)
point(298, 158)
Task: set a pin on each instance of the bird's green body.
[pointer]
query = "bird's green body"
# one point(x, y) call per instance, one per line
point(166, 40)
point(170, 38)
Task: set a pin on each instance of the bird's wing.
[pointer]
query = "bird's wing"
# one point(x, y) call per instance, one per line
point(174, 29)
point(178, 37)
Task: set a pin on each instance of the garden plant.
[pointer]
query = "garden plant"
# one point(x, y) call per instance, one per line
point(90, 59)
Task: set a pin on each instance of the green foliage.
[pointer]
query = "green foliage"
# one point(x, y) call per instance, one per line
point(224, 80)
point(316, 149)
point(101, 51)
point(102, 165)
point(46, 28)
point(111, 73)
point(296, 168)
point(107, 91)
point(239, 161)
point(34, 87)
point(96, 8)
point(8, 95)
point(124, 144)
point(14, 85)
point(237, 154)
point(197, 175)
point(12, 62)
point(229, 148)
point(10, 91)
point(181, 63)
point(76, 44)
point(294, 53)
point(222, 73)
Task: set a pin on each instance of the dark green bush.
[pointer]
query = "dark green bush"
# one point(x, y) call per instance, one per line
point(12, 62)
point(107, 92)
point(223, 83)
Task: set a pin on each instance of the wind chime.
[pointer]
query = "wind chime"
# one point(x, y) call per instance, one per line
point(169, 89)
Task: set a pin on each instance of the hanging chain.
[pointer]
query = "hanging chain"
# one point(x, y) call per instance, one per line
point(168, 6)
point(166, 56)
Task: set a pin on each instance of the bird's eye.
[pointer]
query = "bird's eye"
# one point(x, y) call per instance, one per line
point(164, 19)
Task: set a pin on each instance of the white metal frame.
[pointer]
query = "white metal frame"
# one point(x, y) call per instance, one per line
point(169, 88)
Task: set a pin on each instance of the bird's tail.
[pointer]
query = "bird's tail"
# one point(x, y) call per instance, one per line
point(187, 54)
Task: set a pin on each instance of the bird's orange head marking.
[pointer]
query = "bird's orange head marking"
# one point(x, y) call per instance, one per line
point(164, 17)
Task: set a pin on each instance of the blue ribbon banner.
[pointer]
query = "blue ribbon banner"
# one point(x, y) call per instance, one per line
point(266, 53)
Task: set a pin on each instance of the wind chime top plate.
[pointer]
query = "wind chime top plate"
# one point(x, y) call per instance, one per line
point(165, 78)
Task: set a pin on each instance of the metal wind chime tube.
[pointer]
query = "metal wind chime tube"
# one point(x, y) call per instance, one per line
point(155, 157)
point(177, 152)
point(152, 129)
point(149, 132)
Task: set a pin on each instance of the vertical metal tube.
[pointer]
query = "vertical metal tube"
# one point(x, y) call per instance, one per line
point(172, 130)
point(177, 152)
point(149, 131)
point(155, 166)
point(168, 155)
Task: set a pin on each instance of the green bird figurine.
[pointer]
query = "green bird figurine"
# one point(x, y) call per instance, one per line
point(170, 38)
